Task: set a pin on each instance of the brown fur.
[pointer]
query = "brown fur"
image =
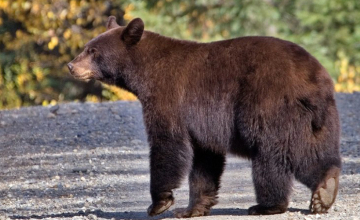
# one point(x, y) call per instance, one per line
point(261, 98)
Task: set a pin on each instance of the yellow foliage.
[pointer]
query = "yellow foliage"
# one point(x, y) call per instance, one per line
point(4, 4)
point(35, 8)
point(45, 103)
point(21, 79)
point(63, 14)
point(349, 77)
point(53, 102)
point(26, 5)
point(338, 87)
point(92, 98)
point(39, 74)
point(120, 93)
point(1, 78)
point(19, 33)
point(128, 9)
point(53, 43)
point(67, 34)
point(32, 94)
point(73, 4)
point(351, 73)
point(183, 6)
point(50, 15)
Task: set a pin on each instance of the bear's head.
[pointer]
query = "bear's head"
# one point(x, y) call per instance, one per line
point(106, 57)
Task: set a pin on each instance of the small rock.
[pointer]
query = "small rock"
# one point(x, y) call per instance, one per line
point(92, 217)
point(60, 186)
point(136, 142)
point(30, 181)
point(54, 109)
point(90, 200)
point(51, 115)
point(80, 170)
point(83, 179)
point(99, 201)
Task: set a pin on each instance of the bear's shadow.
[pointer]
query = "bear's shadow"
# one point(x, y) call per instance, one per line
point(143, 215)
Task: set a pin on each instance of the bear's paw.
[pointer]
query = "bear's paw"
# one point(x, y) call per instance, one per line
point(161, 205)
point(324, 196)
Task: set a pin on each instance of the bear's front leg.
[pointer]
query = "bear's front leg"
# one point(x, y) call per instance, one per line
point(170, 159)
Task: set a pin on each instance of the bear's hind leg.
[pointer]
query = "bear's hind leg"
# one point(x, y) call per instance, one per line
point(204, 182)
point(272, 181)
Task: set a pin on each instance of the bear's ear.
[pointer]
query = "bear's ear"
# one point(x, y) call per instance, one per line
point(111, 23)
point(133, 32)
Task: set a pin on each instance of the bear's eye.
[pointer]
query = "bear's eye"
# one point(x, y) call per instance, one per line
point(92, 51)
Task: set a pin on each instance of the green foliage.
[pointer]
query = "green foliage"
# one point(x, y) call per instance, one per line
point(217, 19)
point(38, 37)
point(327, 29)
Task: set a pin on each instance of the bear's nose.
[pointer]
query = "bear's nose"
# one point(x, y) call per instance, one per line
point(70, 66)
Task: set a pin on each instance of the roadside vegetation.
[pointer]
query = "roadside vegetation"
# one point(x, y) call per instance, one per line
point(38, 37)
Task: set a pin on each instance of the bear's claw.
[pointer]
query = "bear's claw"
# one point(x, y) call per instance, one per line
point(262, 210)
point(160, 207)
point(199, 206)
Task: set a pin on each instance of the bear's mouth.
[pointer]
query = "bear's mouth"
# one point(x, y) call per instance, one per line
point(85, 75)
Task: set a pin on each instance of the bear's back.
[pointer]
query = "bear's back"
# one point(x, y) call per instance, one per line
point(257, 69)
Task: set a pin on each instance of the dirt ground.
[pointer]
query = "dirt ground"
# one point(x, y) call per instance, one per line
point(90, 161)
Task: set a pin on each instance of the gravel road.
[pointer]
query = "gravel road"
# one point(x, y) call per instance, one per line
point(90, 161)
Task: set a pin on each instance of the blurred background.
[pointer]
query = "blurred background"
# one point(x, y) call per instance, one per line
point(38, 38)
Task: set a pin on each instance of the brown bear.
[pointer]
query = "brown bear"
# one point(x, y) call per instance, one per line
point(261, 98)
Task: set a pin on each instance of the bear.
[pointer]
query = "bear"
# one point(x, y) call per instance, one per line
point(260, 98)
